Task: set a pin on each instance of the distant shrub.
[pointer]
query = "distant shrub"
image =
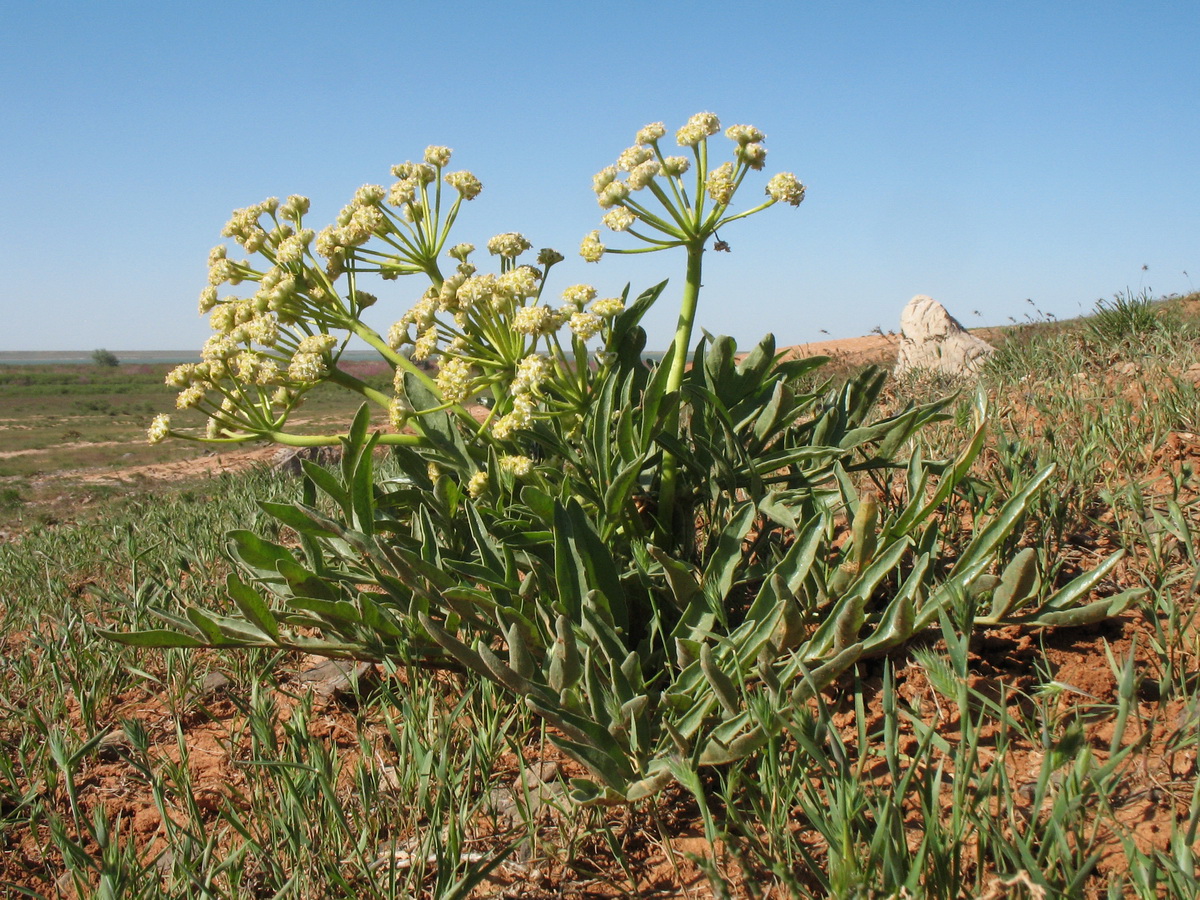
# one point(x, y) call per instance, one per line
point(105, 359)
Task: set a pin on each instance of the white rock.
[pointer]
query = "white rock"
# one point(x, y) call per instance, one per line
point(933, 340)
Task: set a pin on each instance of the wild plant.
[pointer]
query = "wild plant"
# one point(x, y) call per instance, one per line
point(667, 565)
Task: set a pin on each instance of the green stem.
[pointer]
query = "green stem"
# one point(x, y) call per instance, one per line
point(329, 440)
point(683, 338)
point(346, 380)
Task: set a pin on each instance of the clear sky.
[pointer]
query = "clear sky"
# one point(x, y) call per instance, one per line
point(980, 152)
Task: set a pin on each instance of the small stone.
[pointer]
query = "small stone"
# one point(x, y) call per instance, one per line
point(933, 340)
point(289, 459)
point(113, 745)
point(214, 683)
point(334, 676)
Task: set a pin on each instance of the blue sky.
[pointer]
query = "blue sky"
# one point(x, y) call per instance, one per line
point(979, 152)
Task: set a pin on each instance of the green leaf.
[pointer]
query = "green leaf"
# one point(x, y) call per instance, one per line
point(722, 565)
point(328, 483)
point(983, 547)
point(582, 563)
point(252, 605)
point(152, 638)
point(258, 555)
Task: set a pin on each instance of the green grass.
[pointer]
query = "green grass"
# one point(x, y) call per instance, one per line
point(71, 417)
point(958, 769)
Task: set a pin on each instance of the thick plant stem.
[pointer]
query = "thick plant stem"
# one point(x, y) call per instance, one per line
point(667, 494)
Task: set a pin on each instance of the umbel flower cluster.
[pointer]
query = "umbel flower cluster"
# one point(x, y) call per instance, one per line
point(650, 195)
point(282, 315)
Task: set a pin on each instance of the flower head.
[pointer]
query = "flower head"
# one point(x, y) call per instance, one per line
point(698, 127)
point(609, 306)
point(403, 191)
point(614, 193)
point(618, 219)
point(604, 178)
point(369, 195)
point(675, 165)
point(753, 155)
point(476, 290)
point(720, 184)
point(651, 133)
point(461, 251)
point(520, 466)
point(531, 372)
point(478, 485)
point(159, 429)
point(536, 321)
point(579, 294)
point(465, 183)
point(293, 208)
point(208, 299)
point(437, 156)
point(744, 134)
point(633, 157)
point(584, 325)
point(454, 379)
point(306, 368)
point(786, 187)
point(591, 249)
point(426, 343)
point(517, 284)
point(509, 245)
point(643, 174)
point(190, 397)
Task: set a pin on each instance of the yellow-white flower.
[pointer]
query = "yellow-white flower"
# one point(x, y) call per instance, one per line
point(306, 367)
point(437, 156)
point(614, 193)
point(454, 379)
point(609, 306)
point(633, 157)
point(786, 187)
point(517, 283)
point(591, 249)
point(426, 343)
point(744, 134)
point(675, 165)
point(369, 195)
point(536, 320)
point(584, 325)
point(643, 174)
point(465, 183)
point(618, 219)
point(579, 294)
point(478, 484)
point(651, 133)
point(698, 127)
point(509, 245)
point(399, 412)
point(520, 466)
point(190, 397)
point(208, 299)
point(531, 372)
point(159, 429)
point(720, 185)
point(604, 178)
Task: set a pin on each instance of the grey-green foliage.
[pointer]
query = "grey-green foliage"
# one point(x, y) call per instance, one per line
point(653, 642)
